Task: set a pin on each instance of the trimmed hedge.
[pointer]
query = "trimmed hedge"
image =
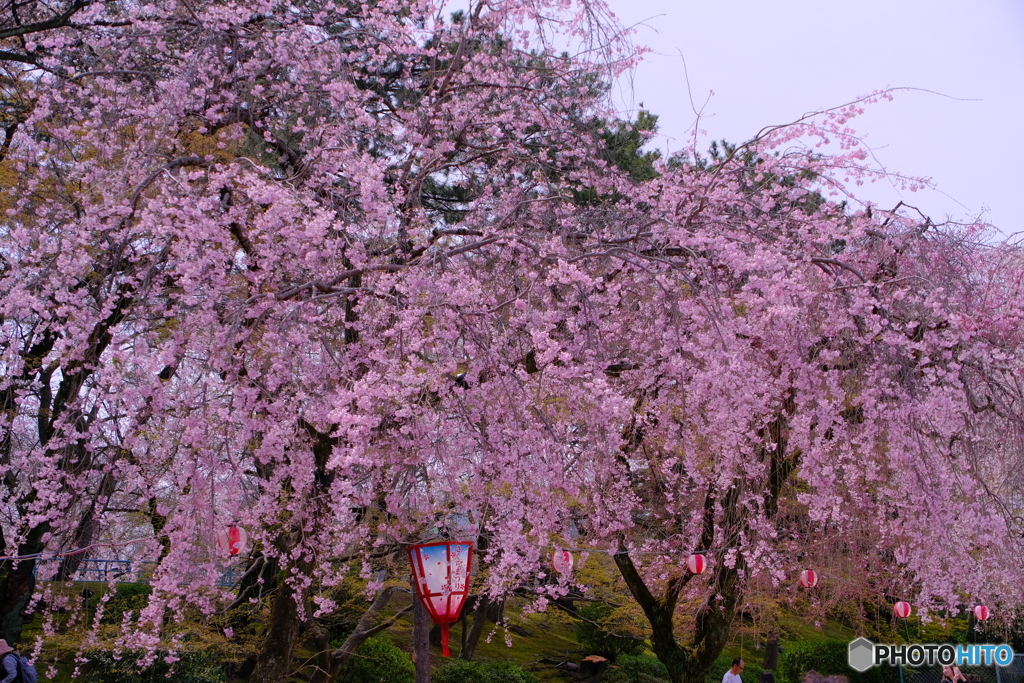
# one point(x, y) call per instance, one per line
point(127, 597)
point(637, 669)
point(378, 660)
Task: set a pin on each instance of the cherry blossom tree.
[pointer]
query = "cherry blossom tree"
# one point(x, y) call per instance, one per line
point(349, 273)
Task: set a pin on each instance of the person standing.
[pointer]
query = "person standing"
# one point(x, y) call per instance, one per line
point(733, 674)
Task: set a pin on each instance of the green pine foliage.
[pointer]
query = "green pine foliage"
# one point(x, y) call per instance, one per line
point(623, 148)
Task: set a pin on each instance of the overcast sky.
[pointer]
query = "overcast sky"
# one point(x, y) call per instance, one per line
point(770, 62)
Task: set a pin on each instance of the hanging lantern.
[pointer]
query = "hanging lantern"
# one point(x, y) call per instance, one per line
point(902, 609)
point(562, 561)
point(441, 575)
point(233, 540)
point(808, 578)
point(981, 613)
point(695, 563)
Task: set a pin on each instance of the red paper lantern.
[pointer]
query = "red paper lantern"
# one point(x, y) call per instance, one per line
point(233, 540)
point(695, 563)
point(808, 578)
point(441, 576)
point(562, 561)
point(981, 613)
point(902, 609)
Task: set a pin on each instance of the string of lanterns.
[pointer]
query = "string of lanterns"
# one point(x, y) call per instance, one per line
point(441, 576)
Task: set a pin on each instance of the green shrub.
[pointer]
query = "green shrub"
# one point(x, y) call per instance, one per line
point(461, 671)
point(378, 660)
point(597, 637)
point(507, 672)
point(191, 667)
point(127, 597)
point(637, 669)
point(828, 658)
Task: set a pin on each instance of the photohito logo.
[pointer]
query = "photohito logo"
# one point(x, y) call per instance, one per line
point(863, 654)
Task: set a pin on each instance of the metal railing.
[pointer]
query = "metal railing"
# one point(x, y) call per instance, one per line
point(1013, 673)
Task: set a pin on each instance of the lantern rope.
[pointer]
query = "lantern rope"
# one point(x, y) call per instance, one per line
point(76, 551)
point(69, 553)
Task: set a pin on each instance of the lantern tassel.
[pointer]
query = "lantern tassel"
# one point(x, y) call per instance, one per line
point(444, 639)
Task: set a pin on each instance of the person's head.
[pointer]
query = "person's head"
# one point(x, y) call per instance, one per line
point(4, 647)
point(767, 677)
point(737, 665)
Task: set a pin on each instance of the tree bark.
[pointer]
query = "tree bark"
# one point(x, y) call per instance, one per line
point(486, 610)
point(421, 641)
point(17, 585)
point(771, 654)
point(274, 662)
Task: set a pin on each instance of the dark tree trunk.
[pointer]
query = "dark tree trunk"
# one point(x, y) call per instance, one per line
point(771, 654)
point(421, 641)
point(274, 662)
point(17, 585)
point(714, 618)
point(485, 611)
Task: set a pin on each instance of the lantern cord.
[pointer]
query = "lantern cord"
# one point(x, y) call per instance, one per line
point(68, 553)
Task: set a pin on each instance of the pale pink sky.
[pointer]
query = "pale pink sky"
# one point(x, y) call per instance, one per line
point(771, 62)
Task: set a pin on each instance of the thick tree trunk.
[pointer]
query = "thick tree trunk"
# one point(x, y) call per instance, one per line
point(17, 585)
point(471, 639)
point(771, 654)
point(421, 641)
point(274, 662)
point(711, 628)
point(486, 610)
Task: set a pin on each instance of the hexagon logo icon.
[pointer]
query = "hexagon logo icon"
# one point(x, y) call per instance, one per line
point(861, 655)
